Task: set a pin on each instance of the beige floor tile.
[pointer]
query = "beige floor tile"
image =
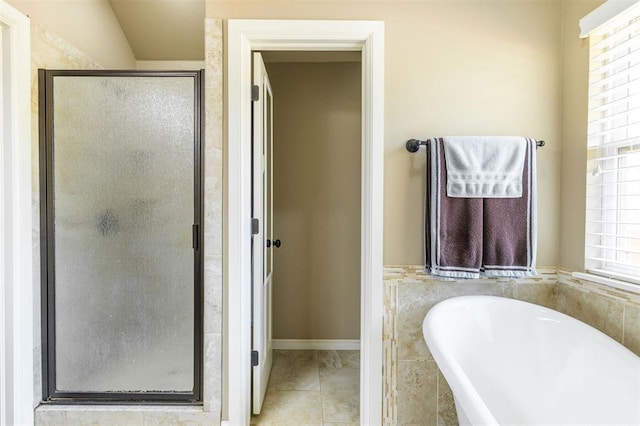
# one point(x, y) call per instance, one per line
point(340, 380)
point(312, 388)
point(339, 359)
point(290, 408)
point(340, 389)
point(340, 406)
point(294, 370)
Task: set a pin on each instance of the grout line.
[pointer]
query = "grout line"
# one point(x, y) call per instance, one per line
point(320, 386)
point(624, 315)
point(437, 393)
point(317, 367)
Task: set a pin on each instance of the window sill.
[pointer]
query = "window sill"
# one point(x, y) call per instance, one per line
point(609, 282)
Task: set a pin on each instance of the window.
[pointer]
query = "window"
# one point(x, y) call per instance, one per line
point(613, 169)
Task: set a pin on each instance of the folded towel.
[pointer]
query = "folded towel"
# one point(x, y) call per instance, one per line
point(453, 225)
point(510, 227)
point(484, 166)
point(467, 237)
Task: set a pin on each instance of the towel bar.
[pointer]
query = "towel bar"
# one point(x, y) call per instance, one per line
point(413, 145)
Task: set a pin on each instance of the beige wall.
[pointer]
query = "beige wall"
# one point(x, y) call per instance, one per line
point(575, 78)
point(316, 282)
point(452, 68)
point(89, 25)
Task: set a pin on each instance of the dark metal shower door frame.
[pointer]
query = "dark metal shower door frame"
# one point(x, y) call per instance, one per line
point(47, 235)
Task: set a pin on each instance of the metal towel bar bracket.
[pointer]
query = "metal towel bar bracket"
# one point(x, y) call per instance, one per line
point(413, 145)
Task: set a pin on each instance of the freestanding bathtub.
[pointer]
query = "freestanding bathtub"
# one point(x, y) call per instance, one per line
point(515, 363)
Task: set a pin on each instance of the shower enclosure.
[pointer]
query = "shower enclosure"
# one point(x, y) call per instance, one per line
point(120, 175)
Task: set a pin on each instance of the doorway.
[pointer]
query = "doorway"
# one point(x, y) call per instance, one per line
point(245, 36)
point(316, 205)
point(313, 239)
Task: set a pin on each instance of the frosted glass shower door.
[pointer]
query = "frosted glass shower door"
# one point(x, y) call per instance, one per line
point(122, 214)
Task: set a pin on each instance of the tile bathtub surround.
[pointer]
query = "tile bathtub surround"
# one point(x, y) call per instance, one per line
point(415, 390)
point(312, 388)
point(614, 312)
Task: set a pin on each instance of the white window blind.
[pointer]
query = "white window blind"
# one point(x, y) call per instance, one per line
point(613, 169)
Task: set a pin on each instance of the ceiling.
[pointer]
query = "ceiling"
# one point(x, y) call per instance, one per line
point(163, 29)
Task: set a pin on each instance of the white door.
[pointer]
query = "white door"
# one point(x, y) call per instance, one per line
point(262, 258)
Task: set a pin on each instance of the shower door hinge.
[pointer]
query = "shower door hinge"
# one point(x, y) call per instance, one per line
point(255, 92)
point(255, 226)
point(254, 358)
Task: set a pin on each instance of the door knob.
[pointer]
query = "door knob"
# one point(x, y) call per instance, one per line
point(276, 243)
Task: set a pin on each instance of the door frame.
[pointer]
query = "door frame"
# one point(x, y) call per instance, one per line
point(244, 36)
point(16, 267)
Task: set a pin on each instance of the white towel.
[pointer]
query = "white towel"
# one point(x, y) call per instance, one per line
point(484, 166)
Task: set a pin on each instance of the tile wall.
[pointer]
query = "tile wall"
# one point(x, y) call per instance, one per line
point(213, 217)
point(415, 392)
point(612, 311)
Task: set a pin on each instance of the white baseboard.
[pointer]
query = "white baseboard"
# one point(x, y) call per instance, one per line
point(322, 344)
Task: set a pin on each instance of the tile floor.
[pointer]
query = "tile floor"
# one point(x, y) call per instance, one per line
point(312, 388)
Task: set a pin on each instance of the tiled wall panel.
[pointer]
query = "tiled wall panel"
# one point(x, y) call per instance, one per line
point(612, 311)
point(416, 391)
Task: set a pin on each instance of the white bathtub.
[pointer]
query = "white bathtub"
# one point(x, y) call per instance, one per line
point(514, 363)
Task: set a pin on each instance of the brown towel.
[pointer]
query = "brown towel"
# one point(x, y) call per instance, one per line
point(468, 236)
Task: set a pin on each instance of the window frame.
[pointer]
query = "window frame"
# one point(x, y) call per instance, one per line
point(606, 250)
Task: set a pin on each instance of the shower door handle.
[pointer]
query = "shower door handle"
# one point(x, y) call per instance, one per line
point(194, 237)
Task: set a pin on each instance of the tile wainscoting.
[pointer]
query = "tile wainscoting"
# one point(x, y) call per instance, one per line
point(612, 311)
point(415, 392)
